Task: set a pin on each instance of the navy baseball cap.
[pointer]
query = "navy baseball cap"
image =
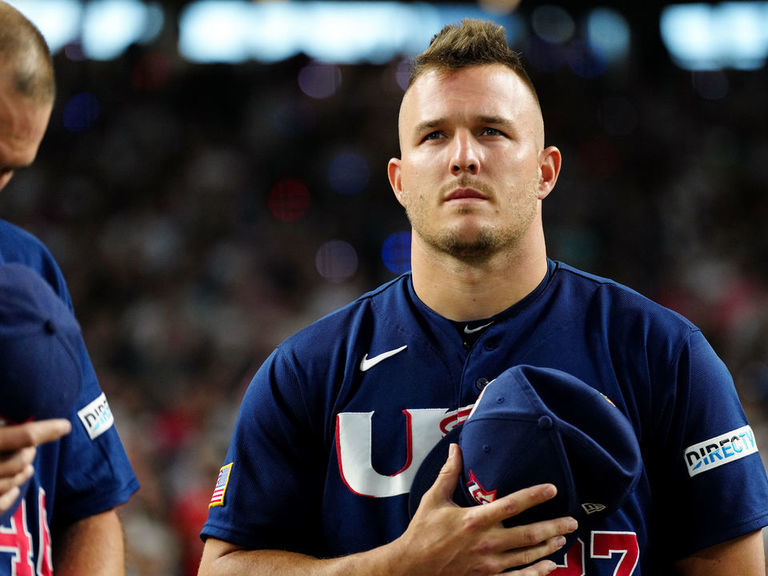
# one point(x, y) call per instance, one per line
point(535, 425)
point(40, 373)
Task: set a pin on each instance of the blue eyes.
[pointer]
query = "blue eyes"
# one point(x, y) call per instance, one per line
point(492, 132)
point(438, 134)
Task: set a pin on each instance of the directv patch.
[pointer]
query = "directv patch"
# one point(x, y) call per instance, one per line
point(96, 417)
point(720, 450)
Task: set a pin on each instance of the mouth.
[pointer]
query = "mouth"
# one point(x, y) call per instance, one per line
point(465, 194)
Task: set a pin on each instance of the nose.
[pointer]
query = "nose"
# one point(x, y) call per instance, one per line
point(465, 156)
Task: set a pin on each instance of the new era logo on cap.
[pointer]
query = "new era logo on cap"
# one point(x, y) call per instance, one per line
point(535, 425)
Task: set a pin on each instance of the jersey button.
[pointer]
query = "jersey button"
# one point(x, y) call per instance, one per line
point(491, 345)
point(481, 383)
point(545, 422)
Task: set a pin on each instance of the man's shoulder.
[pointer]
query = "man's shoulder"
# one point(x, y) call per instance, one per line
point(17, 243)
point(615, 298)
point(22, 247)
point(388, 303)
point(572, 275)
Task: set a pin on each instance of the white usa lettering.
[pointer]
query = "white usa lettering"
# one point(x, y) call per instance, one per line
point(354, 447)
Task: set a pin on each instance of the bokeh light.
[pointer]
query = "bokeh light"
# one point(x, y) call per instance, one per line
point(608, 31)
point(289, 200)
point(403, 73)
point(396, 252)
point(74, 52)
point(110, 26)
point(81, 112)
point(319, 81)
point(336, 260)
point(552, 24)
point(499, 6)
point(586, 60)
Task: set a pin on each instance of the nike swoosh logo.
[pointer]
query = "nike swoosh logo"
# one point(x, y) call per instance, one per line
point(468, 330)
point(368, 363)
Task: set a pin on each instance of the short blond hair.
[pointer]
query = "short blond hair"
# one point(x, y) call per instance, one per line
point(471, 43)
point(24, 54)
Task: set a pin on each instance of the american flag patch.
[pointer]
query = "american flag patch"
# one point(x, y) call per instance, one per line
point(221, 486)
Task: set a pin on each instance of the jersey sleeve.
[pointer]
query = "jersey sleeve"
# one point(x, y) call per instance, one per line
point(269, 491)
point(94, 473)
point(710, 480)
point(92, 470)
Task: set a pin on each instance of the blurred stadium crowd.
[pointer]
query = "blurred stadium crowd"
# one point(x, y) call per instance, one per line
point(202, 213)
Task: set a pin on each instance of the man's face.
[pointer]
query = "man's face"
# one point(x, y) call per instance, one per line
point(22, 126)
point(469, 176)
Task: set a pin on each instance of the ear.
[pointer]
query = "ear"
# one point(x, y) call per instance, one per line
point(550, 161)
point(393, 171)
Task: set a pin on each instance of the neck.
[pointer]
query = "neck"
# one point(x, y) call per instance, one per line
point(463, 291)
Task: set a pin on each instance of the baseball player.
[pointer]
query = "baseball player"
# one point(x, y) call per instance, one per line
point(335, 424)
point(40, 373)
point(71, 472)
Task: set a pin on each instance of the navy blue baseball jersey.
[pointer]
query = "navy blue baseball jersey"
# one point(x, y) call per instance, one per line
point(84, 473)
point(336, 422)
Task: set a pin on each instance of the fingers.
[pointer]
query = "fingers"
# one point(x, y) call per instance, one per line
point(9, 486)
point(49, 430)
point(518, 502)
point(539, 569)
point(525, 544)
point(15, 469)
point(14, 463)
point(547, 532)
point(531, 542)
point(476, 535)
point(17, 437)
point(448, 478)
point(17, 452)
point(8, 498)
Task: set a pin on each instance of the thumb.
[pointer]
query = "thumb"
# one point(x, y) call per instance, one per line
point(448, 478)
